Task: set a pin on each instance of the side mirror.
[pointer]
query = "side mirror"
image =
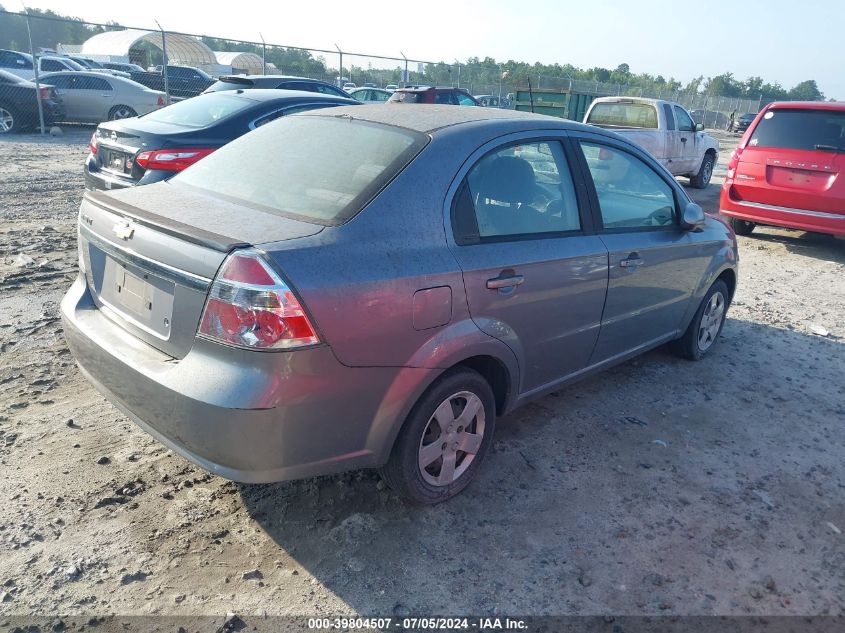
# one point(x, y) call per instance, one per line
point(693, 218)
point(699, 127)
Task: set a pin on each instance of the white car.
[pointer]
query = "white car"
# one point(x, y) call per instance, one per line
point(91, 97)
point(663, 128)
point(22, 64)
point(349, 86)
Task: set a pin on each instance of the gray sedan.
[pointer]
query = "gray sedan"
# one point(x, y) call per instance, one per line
point(94, 97)
point(373, 287)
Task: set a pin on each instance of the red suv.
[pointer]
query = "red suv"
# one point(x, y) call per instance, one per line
point(429, 94)
point(788, 170)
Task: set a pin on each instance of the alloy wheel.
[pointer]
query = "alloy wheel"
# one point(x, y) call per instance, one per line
point(711, 321)
point(122, 112)
point(7, 121)
point(452, 438)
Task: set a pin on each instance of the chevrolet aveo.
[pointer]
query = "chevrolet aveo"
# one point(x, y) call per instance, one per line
point(372, 287)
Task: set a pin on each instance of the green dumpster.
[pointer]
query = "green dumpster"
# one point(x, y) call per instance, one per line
point(559, 103)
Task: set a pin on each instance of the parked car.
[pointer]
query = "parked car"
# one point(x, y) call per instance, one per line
point(283, 308)
point(124, 67)
point(391, 87)
point(22, 64)
point(283, 82)
point(663, 128)
point(182, 81)
point(370, 95)
point(91, 97)
point(430, 94)
point(789, 170)
point(19, 103)
point(742, 123)
point(151, 148)
point(349, 86)
point(94, 66)
point(490, 101)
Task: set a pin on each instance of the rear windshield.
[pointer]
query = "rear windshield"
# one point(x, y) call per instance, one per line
point(200, 111)
point(800, 129)
point(230, 84)
point(640, 115)
point(318, 169)
point(407, 97)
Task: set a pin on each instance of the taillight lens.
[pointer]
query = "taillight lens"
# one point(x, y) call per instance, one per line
point(44, 94)
point(92, 144)
point(733, 161)
point(160, 100)
point(172, 159)
point(250, 306)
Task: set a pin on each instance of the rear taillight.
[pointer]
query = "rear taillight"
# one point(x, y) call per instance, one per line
point(733, 161)
point(250, 306)
point(92, 144)
point(172, 159)
point(160, 100)
point(44, 93)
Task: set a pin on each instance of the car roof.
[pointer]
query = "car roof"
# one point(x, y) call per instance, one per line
point(427, 88)
point(224, 77)
point(428, 118)
point(269, 94)
point(808, 105)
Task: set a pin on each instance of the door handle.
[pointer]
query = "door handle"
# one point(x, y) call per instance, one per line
point(505, 282)
point(631, 262)
point(683, 139)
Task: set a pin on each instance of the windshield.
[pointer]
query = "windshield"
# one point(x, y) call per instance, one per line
point(800, 129)
point(318, 169)
point(200, 111)
point(641, 115)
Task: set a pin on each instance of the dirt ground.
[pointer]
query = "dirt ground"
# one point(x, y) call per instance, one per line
point(658, 487)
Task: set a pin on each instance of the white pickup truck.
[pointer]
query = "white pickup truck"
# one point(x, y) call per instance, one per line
point(663, 128)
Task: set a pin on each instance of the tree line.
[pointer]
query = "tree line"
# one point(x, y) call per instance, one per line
point(47, 33)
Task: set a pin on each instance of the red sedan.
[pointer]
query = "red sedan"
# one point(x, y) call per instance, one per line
point(788, 170)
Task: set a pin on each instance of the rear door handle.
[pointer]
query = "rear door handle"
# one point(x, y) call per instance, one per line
point(505, 282)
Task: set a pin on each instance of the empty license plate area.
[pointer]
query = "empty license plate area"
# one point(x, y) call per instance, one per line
point(140, 297)
point(119, 162)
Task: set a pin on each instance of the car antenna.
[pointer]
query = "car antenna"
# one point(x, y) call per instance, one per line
point(530, 94)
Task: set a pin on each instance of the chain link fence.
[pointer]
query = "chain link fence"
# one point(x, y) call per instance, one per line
point(56, 70)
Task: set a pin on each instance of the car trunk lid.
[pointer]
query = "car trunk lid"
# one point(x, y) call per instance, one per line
point(151, 253)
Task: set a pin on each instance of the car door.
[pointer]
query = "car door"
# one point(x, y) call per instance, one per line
point(688, 147)
point(92, 98)
point(65, 86)
point(535, 273)
point(653, 269)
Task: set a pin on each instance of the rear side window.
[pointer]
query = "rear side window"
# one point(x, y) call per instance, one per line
point(800, 129)
point(317, 169)
point(523, 190)
point(670, 118)
point(630, 193)
point(201, 111)
point(407, 97)
point(639, 115)
point(51, 65)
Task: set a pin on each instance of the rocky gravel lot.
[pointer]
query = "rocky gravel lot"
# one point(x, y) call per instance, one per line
point(659, 487)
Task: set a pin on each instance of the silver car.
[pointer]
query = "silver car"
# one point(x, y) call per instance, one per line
point(94, 97)
point(372, 287)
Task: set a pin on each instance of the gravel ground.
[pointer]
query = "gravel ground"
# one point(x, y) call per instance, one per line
point(658, 487)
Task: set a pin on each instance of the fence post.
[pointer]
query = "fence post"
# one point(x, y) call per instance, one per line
point(263, 55)
point(35, 68)
point(406, 77)
point(164, 63)
point(340, 67)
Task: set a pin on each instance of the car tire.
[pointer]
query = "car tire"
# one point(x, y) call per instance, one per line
point(706, 325)
point(434, 432)
point(705, 173)
point(742, 227)
point(121, 112)
point(9, 119)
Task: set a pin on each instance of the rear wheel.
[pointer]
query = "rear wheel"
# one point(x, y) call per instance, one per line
point(742, 227)
point(705, 172)
point(121, 112)
point(9, 119)
point(444, 439)
point(707, 323)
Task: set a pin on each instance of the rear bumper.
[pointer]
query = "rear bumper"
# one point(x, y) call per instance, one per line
point(802, 219)
point(244, 415)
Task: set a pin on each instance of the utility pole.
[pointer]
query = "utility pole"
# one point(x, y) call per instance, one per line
point(406, 78)
point(35, 67)
point(164, 64)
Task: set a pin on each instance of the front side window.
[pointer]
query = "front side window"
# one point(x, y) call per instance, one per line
point(51, 65)
point(523, 189)
point(630, 193)
point(685, 123)
point(464, 100)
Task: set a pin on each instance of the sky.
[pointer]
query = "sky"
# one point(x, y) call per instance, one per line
point(780, 40)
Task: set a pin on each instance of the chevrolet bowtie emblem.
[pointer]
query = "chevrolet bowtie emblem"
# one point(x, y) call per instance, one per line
point(123, 230)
